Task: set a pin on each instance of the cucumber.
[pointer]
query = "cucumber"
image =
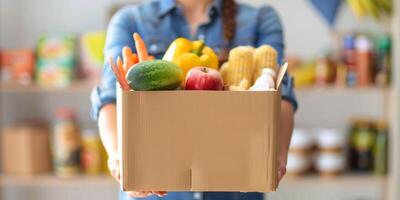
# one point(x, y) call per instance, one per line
point(155, 75)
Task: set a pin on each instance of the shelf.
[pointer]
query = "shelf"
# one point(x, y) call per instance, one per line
point(75, 87)
point(345, 180)
point(343, 90)
point(53, 181)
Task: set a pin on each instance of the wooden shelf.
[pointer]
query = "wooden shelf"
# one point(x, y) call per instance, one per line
point(345, 180)
point(337, 89)
point(75, 87)
point(53, 181)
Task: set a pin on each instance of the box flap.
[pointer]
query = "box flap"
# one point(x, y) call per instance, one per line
point(281, 73)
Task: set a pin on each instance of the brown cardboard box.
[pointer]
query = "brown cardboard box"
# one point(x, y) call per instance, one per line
point(199, 140)
point(25, 150)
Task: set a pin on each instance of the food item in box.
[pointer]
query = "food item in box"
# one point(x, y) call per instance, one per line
point(265, 56)
point(129, 58)
point(203, 78)
point(25, 148)
point(240, 65)
point(155, 75)
point(17, 65)
point(187, 55)
point(266, 81)
point(66, 144)
point(91, 156)
point(243, 85)
point(56, 60)
point(91, 47)
point(224, 71)
point(141, 48)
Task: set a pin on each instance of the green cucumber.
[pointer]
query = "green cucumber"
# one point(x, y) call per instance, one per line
point(155, 75)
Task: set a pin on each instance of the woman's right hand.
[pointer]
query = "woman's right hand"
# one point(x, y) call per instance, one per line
point(113, 166)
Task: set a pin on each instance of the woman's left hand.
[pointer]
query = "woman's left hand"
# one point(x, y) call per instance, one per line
point(282, 160)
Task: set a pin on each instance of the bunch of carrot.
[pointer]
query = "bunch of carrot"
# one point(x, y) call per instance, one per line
point(129, 60)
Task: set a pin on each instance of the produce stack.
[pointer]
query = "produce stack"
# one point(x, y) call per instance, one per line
point(193, 66)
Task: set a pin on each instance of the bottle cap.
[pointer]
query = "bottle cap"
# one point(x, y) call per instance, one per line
point(384, 43)
point(349, 41)
point(363, 43)
point(65, 113)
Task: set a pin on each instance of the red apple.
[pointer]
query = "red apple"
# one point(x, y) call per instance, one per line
point(203, 78)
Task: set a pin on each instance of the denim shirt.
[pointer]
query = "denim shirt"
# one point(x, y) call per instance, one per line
point(160, 22)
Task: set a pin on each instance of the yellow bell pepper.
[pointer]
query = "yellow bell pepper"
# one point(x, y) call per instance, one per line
point(187, 55)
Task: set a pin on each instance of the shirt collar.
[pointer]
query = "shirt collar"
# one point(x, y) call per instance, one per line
point(166, 6)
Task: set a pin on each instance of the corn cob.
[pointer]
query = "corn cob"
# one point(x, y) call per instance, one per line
point(264, 57)
point(241, 65)
point(243, 85)
point(224, 70)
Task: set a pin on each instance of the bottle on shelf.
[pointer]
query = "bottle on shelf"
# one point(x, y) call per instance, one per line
point(364, 61)
point(381, 149)
point(91, 156)
point(349, 59)
point(66, 144)
point(383, 58)
point(362, 145)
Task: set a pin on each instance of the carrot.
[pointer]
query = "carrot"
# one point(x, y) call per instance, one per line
point(127, 56)
point(140, 48)
point(135, 58)
point(151, 58)
point(122, 81)
point(120, 66)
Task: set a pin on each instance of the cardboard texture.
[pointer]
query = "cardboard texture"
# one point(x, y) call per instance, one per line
point(199, 140)
point(25, 150)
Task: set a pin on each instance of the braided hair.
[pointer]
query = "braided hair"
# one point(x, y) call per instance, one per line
point(229, 10)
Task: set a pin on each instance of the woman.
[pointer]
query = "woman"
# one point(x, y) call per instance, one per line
point(222, 24)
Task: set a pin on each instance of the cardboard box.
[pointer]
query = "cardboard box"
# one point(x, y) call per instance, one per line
point(199, 140)
point(25, 150)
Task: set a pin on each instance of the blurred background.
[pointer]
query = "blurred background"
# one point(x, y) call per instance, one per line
point(344, 60)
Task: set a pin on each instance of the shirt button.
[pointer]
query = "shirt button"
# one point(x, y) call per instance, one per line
point(201, 36)
point(153, 47)
point(197, 196)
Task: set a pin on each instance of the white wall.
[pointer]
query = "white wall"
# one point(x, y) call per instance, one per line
point(22, 21)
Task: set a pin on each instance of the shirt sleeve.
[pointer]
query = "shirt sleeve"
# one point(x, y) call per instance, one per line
point(270, 31)
point(119, 35)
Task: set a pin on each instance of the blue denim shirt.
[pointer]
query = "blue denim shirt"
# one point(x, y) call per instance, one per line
point(160, 22)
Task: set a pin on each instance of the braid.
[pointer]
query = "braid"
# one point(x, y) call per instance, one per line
point(229, 9)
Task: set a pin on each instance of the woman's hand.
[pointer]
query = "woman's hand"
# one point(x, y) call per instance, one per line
point(113, 166)
point(282, 160)
point(287, 122)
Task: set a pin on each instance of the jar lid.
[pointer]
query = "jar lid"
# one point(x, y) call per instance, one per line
point(65, 113)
